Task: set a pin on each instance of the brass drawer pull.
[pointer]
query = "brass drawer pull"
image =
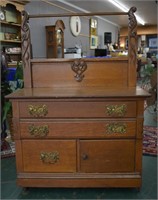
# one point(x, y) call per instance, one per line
point(38, 111)
point(38, 131)
point(49, 157)
point(116, 128)
point(113, 110)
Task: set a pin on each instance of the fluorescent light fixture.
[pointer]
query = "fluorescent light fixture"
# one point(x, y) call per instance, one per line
point(140, 20)
point(125, 9)
point(119, 5)
point(86, 11)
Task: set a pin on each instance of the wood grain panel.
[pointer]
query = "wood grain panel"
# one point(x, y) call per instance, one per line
point(78, 109)
point(65, 148)
point(78, 129)
point(61, 74)
point(107, 156)
point(113, 182)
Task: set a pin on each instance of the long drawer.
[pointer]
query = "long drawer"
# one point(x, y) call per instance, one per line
point(74, 109)
point(49, 155)
point(77, 128)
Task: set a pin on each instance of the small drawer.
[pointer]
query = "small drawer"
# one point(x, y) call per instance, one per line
point(77, 109)
point(49, 155)
point(77, 129)
point(107, 156)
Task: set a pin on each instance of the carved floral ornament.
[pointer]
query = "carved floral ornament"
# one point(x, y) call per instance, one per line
point(18, 6)
point(79, 67)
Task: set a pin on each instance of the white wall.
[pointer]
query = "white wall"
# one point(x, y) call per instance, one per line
point(38, 36)
point(106, 27)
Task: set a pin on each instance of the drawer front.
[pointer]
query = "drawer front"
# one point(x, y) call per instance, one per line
point(49, 155)
point(77, 129)
point(107, 156)
point(77, 109)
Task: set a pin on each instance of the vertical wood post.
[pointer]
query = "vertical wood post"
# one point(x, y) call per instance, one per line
point(132, 47)
point(26, 49)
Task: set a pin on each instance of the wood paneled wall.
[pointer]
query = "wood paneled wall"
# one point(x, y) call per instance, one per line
point(141, 30)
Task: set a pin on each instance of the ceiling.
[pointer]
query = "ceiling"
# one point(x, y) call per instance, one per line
point(20, 1)
point(146, 9)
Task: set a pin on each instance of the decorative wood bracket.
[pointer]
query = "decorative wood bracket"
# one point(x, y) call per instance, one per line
point(26, 49)
point(132, 44)
point(25, 35)
point(79, 66)
point(132, 22)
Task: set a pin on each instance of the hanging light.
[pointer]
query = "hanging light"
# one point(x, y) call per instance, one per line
point(125, 9)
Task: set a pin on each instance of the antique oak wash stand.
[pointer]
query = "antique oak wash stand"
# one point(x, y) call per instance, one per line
point(79, 123)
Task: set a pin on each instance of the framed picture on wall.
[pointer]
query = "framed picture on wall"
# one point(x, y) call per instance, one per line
point(153, 42)
point(93, 27)
point(93, 42)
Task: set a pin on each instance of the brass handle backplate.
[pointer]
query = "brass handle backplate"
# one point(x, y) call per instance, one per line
point(116, 110)
point(38, 110)
point(38, 131)
point(116, 128)
point(49, 157)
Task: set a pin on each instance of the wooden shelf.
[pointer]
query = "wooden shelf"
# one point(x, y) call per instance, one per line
point(14, 53)
point(11, 34)
point(11, 41)
point(10, 24)
point(12, 64)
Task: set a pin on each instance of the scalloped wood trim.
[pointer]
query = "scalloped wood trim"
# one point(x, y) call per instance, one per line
point(19, 7)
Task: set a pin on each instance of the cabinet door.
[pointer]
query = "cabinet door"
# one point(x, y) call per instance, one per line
point(107, 156)
point(49, 155)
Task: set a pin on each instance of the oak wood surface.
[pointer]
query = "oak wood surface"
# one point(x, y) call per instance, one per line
point(78, 128)
point(104, 156)
point(61, 75)
point(86, 92)
point(133, 182)
point(65, 148)
point(75, 109)
point(77, 14)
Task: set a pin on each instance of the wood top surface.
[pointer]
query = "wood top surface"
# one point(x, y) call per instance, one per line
point(93, 59)
point(94, 92)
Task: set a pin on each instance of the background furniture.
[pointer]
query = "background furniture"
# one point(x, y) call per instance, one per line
point(10, 36)
point(55, 40)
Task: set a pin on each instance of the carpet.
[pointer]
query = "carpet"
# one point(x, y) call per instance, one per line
point(150, 145)
point(7, 149)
